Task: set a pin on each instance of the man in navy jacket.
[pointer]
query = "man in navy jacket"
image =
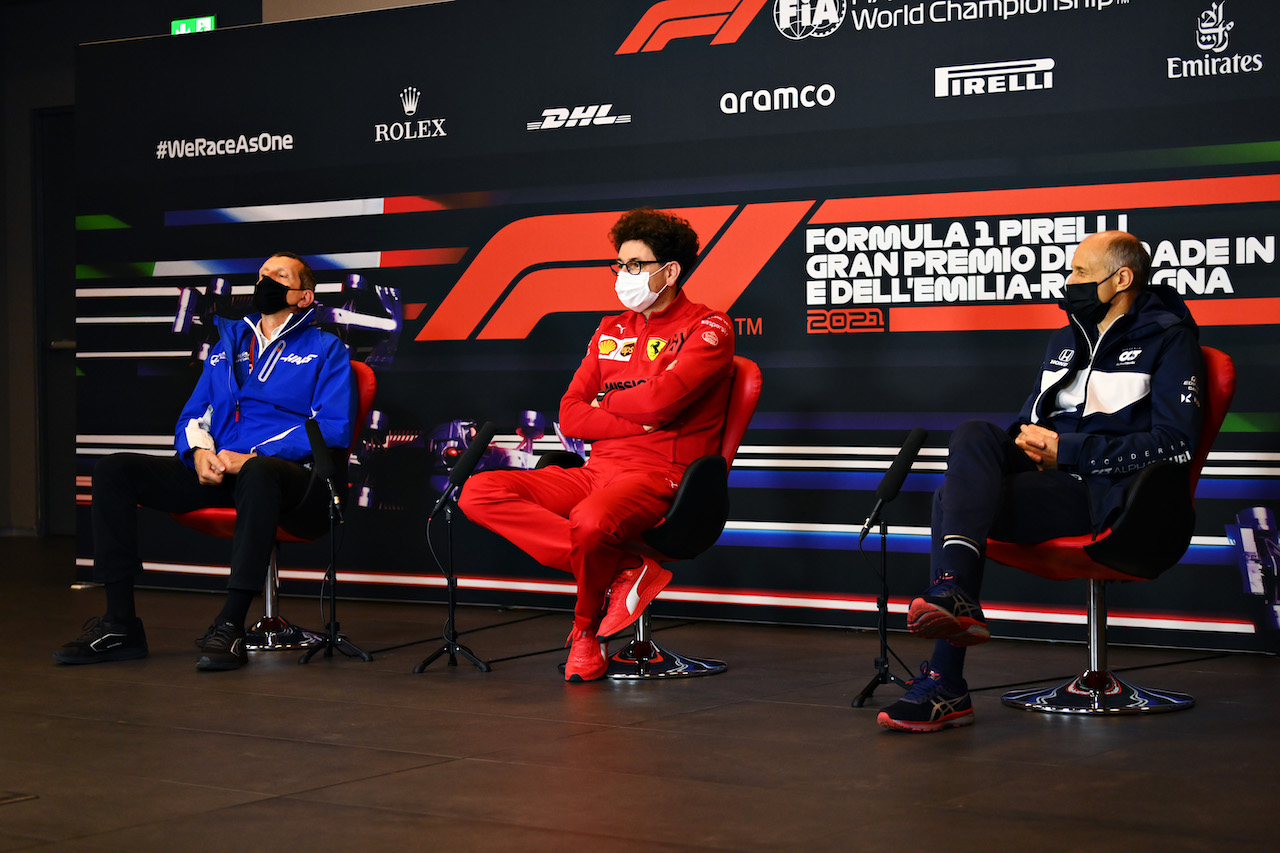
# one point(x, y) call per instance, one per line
point(241, 442)
point(1117, 391)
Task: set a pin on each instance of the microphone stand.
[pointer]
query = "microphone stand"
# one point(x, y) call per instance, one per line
point(333, 638)
point(451, 645)
point(886, 492)
point(883, 675)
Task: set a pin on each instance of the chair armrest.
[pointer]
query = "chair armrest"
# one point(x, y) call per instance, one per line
point(560, 459)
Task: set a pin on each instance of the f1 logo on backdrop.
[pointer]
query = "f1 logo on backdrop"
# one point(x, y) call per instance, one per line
point(664, 22)
point(556, 264)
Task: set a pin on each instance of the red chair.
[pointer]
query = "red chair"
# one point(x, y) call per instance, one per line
point(273, 632)
point(1150, 535)
point(692, 525)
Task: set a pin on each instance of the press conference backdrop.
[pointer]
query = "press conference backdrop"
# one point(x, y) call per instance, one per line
point(888, 195)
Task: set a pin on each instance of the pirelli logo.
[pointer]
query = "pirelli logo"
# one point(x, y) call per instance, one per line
point(993, 78)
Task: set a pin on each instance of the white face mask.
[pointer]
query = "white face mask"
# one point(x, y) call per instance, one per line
point(633, 290)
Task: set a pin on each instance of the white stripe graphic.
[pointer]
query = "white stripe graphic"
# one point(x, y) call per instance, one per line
point(860, 605)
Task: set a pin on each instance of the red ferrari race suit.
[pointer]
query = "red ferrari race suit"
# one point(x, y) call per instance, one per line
point(660, 386)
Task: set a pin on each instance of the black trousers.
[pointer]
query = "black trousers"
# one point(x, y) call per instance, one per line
point(991, 489)
point(267, 493)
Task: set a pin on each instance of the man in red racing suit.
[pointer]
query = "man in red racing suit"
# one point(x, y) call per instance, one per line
point(650, 395)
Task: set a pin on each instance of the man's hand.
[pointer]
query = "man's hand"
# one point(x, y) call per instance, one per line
point(209, 468)
point(1040, 445)
point(232, 462)
point(595, 404)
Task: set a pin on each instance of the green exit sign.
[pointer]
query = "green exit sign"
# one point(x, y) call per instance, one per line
point(192, 25)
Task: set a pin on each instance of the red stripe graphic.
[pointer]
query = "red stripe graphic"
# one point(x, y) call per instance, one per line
point(1131, 196)
point(994, 318)
point(421, 204)
point(410, 204)
point(552, 239)
point(552, 291)
point(420, 257)
point(560, 243)
point(743, 250)
point(721, 276)
point(503, 258)
point(975, 318)
point(544, 292)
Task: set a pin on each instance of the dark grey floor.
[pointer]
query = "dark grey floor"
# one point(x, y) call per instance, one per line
point(342, 755)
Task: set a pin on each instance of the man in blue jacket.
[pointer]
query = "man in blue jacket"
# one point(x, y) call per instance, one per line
point(1118, 390)
point(241, 442)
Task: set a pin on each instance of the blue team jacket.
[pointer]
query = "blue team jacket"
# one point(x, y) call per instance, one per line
point(1141, 402)
point(304, 373)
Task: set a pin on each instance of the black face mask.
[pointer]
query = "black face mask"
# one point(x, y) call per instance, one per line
point(270, 296)
point(1081, 301)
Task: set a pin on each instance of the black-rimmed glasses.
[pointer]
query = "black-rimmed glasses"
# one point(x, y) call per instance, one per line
point(633, 267)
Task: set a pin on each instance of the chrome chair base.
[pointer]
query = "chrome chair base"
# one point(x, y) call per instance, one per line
point(645, 659)
point(1097, 693)
point(275, 634)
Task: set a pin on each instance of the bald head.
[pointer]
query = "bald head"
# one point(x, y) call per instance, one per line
point(1122, 249)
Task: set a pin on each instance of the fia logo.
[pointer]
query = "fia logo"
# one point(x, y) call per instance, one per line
point(802, 19)
point(1213, 27)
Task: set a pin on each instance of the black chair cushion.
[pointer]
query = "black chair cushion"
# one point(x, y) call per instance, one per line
point(1155, 526)
point(698, 513)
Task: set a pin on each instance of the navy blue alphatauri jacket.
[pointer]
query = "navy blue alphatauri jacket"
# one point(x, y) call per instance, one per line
point(303, 373)
point(1141, 401)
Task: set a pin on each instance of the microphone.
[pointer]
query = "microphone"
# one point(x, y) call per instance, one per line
point(466, 463)
point(322, 462)
point(894, 477)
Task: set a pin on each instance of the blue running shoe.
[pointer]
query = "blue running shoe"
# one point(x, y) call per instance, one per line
point(930, 705)
point(946, 612)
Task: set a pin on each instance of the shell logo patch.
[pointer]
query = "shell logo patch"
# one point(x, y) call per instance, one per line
point(616, 349)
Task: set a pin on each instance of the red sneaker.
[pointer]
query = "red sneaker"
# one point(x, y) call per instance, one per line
point(630, 594)
point(587, 660)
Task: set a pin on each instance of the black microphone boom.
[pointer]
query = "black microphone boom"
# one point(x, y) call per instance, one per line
point(894, 477)
point(322, 462)
point(466, 463)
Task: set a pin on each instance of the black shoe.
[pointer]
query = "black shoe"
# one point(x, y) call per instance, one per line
point(105, 640)
point(930, 705)
point(946, 612)
point(222, 648)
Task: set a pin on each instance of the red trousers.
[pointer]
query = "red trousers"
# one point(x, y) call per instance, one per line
point(577, 520)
